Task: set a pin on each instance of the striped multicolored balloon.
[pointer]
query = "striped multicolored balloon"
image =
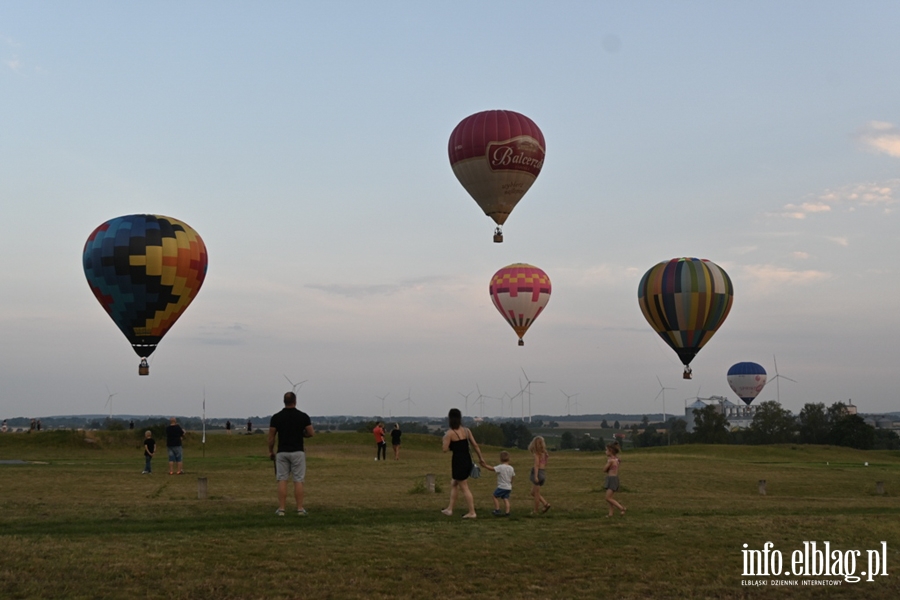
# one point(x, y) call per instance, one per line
point(520, 292)
point(144, 270)
point(686, 300)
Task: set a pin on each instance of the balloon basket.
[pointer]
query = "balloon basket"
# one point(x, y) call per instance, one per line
point(687, 373)
point(521, 342)
point(498, 236)
point(143, 368)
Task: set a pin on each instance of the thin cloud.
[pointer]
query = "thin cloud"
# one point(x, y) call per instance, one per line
point(13, 63)
point(880, 137)
point(770, 275)
point(880, 195)
point(839, 240)
point(350, 290)
point(800, 255)
point(222, 335)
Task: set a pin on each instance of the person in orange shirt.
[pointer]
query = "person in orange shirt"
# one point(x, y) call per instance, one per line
point(381, 449)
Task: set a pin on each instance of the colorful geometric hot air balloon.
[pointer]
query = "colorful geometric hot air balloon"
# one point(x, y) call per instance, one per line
point(520, 292)
point(497, 155)
point(747, 379)
point(686, 300)
point(144, 270)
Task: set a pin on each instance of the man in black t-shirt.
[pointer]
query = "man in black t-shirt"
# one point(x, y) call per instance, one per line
point(291, 426)
point(174, 435)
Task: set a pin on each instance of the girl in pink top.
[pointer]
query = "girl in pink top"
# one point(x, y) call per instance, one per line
point(538, 474)
point(612, 478)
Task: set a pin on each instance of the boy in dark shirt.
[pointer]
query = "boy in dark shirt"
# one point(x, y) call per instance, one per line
point(149, 451)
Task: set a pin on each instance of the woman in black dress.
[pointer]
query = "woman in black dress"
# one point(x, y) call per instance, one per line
point(395, 440)
point(458, 440)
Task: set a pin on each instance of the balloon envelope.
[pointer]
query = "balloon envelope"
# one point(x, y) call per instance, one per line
point(496, 155)
point(685, 300)
point(144, 270)
point(747, 379)
point(520, 292)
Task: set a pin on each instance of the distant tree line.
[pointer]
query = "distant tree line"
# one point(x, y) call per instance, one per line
point(773, 424)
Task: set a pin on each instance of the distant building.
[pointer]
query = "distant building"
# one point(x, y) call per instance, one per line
point(739, 416)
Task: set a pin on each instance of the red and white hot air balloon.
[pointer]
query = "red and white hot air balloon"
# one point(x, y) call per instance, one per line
point(520, 292)
point(497, 155)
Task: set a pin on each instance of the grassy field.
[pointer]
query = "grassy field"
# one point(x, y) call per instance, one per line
point(78, 520)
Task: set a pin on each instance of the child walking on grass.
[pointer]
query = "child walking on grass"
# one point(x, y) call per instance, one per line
point(149, 451)
point(612, 478)
point(538, 474)
point(505, 474)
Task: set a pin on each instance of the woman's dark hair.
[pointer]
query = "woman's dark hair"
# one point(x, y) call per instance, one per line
point(455, 418)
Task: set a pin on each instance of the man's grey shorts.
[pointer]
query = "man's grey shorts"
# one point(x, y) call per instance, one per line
point(175, 453)
point(290, 463)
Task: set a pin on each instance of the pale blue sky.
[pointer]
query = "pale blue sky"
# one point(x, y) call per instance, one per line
point(307, 144)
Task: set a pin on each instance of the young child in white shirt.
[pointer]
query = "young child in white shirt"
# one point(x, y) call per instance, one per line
point(505, 474)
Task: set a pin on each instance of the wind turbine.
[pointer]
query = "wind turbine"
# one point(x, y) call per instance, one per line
point(568, 399)
point(521, 397)
point(294, 386)
point(503, 400)
point(409, 401)
point(776, 378)
point(109, 401)
point(480, 401)
point(382, 403)
point(662, 392)
point(466, 396)
point(528, 389)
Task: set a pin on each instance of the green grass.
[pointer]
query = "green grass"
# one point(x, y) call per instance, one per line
point(86, 524)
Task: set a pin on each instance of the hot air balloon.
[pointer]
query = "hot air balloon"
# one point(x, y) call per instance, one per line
point(747, 379)
point(144, 270)
point(497, 155)
point(686, 300)
point(520, 292)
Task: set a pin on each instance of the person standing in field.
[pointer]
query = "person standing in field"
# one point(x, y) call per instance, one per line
point(458, 440)
point(505, 474)
point(228, 427)
point(395, 440)
point(538, 475)
point(149, 451)
point(291, 426)
point(380, 445)
point(174, 437)
point(612, 478)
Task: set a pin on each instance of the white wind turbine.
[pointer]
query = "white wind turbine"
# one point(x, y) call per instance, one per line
point(409, 402)
point(528, 391)
point(503, 400)
point(294, 386)
point(662, 392)
point(109, 401)
point(776, 378)
point(466, 396)
point(568, 401)
point(521, 396)
point(382, 403)
point(480, 401)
